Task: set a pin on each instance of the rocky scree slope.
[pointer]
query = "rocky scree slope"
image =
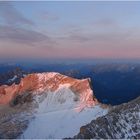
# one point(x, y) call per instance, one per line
point(121, 122)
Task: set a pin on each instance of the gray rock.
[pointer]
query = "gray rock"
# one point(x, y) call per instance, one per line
point(122, 122)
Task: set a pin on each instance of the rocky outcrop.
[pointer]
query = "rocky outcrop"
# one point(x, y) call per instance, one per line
point(14, 75)
point(122, 122)
point(38, 83)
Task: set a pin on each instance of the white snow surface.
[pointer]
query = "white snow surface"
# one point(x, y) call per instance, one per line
point(59, 116)
point(12, 79)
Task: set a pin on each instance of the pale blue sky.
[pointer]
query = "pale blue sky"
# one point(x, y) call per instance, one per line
point(70, 29)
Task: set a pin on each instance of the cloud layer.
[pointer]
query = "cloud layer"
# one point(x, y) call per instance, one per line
point(74, 34)
point(21, 35)
point(11, 16)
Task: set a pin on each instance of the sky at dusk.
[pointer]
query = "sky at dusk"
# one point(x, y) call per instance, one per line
point(74, 29)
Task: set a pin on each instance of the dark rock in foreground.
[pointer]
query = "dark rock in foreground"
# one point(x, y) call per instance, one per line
point(122, 122)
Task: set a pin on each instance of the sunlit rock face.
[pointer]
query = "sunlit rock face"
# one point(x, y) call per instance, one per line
point(7, 93)
point(48, 105)
point(49, 82)
point(51, 105)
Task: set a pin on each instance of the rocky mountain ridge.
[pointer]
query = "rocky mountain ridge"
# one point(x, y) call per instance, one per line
point(121, 122)
point(38, 82)
point(39, 98)
point(52, 105)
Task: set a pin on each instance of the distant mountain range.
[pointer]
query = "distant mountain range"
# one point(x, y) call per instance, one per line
point(113, 83)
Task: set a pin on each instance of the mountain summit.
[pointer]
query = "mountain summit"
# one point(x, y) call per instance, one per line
point(49, 82)
point(51, 105)
point(54, 105)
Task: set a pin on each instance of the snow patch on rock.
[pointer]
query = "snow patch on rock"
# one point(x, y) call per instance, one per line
point(12, 79)
point(46, 76)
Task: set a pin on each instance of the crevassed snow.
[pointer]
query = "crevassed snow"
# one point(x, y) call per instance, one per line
point(58, 116)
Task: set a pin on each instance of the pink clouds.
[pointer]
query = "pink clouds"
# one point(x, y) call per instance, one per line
point(69, 52)
point(115, 45)
point(104, 38)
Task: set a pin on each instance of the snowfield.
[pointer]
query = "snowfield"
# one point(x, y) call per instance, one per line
point(60, 116)
point(61, 124)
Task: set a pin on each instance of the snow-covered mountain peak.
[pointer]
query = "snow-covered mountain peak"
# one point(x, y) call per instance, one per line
point(46, 76)
point(59, 104)
point(50, 83)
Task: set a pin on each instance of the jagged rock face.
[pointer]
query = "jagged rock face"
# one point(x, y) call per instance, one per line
point(38, 83)
point(7, 93)
point(48, 105)
point(122, 122)
point(60, 106)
